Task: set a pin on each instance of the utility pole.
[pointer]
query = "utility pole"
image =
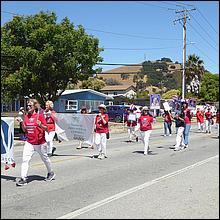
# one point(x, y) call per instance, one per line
point(184, 19)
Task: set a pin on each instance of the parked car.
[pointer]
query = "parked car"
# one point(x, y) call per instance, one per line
point(117, 113)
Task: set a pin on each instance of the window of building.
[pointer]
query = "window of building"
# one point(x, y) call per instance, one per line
point(115, 93)
point(71, 105)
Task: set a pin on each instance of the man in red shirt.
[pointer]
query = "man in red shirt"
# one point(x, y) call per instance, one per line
point(34, 125)
point(200, 119)
point(208, 122)
point(101, 131)
point(145, 121)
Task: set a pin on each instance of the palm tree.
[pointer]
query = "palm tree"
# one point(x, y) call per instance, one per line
point(194, 66)
point(194, 73)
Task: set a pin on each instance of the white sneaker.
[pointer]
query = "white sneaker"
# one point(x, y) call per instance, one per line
point(170, 134)
point(177, 148)
point(99, 156)
point(186, 146)
point(164, 135)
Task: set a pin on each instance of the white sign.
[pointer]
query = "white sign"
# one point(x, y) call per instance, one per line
point(7, 140)
point(132, 117)
point(166, 106)
point(75, 126)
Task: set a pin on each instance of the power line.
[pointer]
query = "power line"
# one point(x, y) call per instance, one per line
point(201, 15)
point(184, 4)
point(115, 33)
point(146, 3)
point(203, 37)
point(155, 48)
point(203, 28)
point(205, 54)
point(207, 21)
point(171, 4)
point(131, 35)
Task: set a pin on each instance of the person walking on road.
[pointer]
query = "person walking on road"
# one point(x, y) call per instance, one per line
point(167, 123)
point(179, 119)
point(187, 121)
point(217, 121)
point(145, 121)
point(50, 116)
point(35, 126)
point(200, 119)
point(208, 122)
point(101, 131)
point(131, 124)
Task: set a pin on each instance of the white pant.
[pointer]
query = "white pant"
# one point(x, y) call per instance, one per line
point(200, 126)
point(208, 125)
point(28, 152)
point(100, 142)
point(145, 136)
point(179, 137)
point(49, 139)
point(131, 133)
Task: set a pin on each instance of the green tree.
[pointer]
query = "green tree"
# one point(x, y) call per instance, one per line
point(93, 83)
point(48, 56)
point(170, 93)
point(210, 87)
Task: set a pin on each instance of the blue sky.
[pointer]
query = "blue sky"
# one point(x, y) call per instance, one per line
point(146, 20)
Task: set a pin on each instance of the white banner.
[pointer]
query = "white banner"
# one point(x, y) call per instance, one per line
point(7, 140)
point(71, 126)
point(166, 106)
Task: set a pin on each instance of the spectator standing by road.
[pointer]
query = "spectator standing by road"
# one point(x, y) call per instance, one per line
point(35, 126)
point(200, 119)
point(145, 121)
point(50, 116)
point(209, 120)
point(101, 131)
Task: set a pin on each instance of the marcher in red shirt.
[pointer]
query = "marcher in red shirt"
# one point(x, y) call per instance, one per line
point(187, 120)
point(34, 125)
point(200, 119)
point(167, 123)
point(50, 116)
point(101, 131)
point(208, 122)
point(145, 121)
point(217, 121)
point(131, 124)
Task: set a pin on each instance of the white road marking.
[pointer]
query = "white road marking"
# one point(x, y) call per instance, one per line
point(95, 205)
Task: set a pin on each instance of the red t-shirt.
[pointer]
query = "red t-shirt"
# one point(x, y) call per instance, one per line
point(200, 116)
point(35, 134)
point(99, 125)
point(217, 117)
point(208, 115)
point(50, 120)
point(187, 117)
point(145, 122)
point(167, 118)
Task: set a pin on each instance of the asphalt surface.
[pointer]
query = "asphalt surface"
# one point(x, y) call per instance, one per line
point(164, 184)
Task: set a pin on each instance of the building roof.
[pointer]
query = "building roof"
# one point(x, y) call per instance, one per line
point(71, 91)
point(118, 88)
point(123, 69)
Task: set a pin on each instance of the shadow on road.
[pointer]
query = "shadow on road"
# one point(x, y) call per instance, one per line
point(30, 178)
point(142, 152)
point(64, 155)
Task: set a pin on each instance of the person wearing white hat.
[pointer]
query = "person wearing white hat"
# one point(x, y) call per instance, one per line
point(145, 121)
point(101, 131)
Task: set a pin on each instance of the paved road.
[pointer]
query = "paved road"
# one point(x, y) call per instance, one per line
point(165, 184)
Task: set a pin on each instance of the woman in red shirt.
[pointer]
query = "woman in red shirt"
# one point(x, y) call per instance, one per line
point(34, 125)
point(217, 121)
point(200, 119)
point(167, 123)
point(208, 122)
point(145, 121)
point(50, 116)
point(101, 131)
